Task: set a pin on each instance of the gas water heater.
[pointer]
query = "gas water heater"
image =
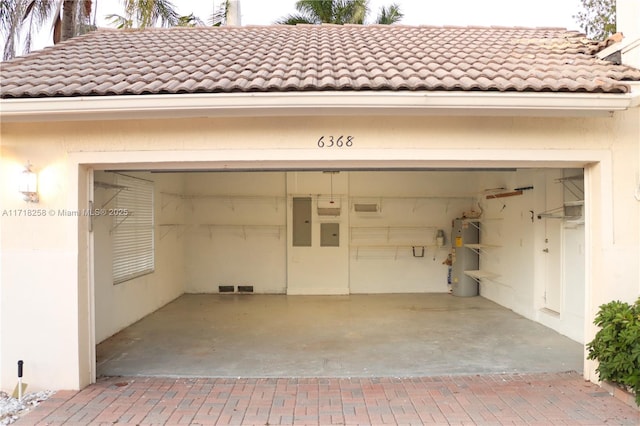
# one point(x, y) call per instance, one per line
point(465, 231)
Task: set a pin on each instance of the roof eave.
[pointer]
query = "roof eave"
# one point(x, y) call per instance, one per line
point(315, 103)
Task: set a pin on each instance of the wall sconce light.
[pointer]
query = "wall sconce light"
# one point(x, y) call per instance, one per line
point(28, 185)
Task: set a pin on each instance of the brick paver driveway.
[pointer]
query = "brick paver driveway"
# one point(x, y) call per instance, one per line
point(532, 399)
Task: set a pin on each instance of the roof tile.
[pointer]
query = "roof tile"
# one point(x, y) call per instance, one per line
point(315, 57)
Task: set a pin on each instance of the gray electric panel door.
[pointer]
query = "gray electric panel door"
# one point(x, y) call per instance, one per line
point(329, 235)
point(302, 222)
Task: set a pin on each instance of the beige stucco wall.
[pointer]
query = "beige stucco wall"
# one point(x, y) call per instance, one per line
point(39, 258)
point(44, 316)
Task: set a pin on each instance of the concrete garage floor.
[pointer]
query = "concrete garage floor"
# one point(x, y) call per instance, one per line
point(334, 336)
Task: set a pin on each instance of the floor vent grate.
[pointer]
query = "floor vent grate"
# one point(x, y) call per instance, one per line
point(225, 289)
point(245, 288)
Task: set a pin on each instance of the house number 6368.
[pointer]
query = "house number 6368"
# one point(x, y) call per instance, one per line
point(335, 141)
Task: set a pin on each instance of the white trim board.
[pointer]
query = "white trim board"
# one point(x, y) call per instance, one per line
point(315, 104)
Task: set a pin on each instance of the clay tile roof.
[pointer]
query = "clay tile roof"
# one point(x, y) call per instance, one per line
point(315, 58)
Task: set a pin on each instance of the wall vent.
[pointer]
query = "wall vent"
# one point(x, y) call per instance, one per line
point(225, 289)
point(245, 288)
point(366, 208)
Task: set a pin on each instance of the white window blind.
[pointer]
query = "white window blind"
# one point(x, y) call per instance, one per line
point(132, 235)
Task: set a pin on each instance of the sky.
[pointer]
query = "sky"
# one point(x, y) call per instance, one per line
point(526, 13)
point(417, 12)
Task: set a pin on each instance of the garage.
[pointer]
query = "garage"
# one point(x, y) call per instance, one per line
point(322, 165)
point(336, 273)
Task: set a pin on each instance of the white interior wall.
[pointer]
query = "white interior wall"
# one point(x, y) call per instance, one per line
point(251, 249)
point(507, 225)
point(413, 207)
point(518, 260)
point(315, 269)
point(235, 231)
point(118, 306)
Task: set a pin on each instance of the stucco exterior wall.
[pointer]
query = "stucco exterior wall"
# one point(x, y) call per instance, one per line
point(43, 256)
point(39, 270)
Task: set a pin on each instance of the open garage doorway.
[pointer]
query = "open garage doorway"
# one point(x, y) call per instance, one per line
point(337, 272)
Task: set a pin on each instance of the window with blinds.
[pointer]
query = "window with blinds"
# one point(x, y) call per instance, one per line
point(132, 230)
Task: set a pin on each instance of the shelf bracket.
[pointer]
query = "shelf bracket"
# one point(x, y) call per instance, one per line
point(118, 223)
point(106, 203)
point(163, 204)
point(162, 235)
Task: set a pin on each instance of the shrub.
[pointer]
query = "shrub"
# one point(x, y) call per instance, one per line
point(616, 346)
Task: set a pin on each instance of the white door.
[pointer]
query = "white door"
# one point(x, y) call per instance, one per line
point(553, 273)
point(317, 233)
point(553, 244)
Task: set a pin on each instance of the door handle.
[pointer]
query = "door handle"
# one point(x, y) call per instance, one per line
point(545, 250)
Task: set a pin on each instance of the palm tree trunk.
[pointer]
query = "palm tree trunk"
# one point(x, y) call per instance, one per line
point(69, 8)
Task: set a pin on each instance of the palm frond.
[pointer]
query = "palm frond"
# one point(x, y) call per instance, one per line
point(147, 13)
point(119, 21)
point(389, 15)
point(219, 17)
point(9, 18)
point(30, 16)
point(24, 17)
point(328, 11)
point(166, 12)
point(190, 21)
point(350, 11)
point(296, 19)
point(320, 10)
